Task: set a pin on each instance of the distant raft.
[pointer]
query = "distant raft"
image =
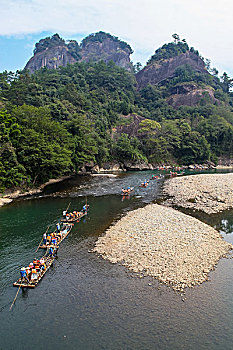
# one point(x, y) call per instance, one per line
point(127, 192)
point(144, 184)
point(75, 216)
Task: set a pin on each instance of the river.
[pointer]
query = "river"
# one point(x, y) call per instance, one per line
point(85, 302)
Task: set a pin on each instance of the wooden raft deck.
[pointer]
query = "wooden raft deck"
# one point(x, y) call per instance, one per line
point(74, 219)
point(45, 246)
point(32, 284)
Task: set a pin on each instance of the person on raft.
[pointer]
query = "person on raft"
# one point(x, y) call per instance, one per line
point(23, 273)
point(51, 251)
point(44, 238)
point(56, 250)
point(58, 227)
point(84, 209)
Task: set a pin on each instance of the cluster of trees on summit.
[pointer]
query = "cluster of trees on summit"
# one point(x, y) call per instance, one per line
point(55, 121)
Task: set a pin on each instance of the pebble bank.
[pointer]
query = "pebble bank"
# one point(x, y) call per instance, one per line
point(159, 241)
point(210, 193)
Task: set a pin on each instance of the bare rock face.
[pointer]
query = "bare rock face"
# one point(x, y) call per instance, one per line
point(102, 46)
point(130, 126)
point(53, 52)
point(51, 58)
point(191, 95)
point(158, 71)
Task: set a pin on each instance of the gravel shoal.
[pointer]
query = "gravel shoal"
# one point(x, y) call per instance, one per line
point(210, 193)
point(5, 201)
point(159, 241)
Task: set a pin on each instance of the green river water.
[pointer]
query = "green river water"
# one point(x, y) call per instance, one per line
point(85, 302)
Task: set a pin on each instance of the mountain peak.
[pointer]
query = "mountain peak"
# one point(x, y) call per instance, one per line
point(52, 52)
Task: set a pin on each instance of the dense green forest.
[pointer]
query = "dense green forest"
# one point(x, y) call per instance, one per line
point(55, 121)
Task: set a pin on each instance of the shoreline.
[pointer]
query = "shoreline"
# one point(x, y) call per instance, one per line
point(8, 198)
point(176, 249)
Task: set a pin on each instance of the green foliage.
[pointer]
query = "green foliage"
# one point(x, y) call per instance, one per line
point(43, 44)
point(84, 139)
point(168, 51)
point(55, 121)
point(127, 148)
point(11, 172)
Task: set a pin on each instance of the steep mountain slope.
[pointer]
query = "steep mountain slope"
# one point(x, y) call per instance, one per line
point(181, 73)
point(158, 71)
point(53, 52)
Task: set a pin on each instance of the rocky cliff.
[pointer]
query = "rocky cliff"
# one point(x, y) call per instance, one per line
point(51, 58)
point(191, 96)
point(53, 52)
point(158, 71)
point(183, 77)
point(103, 46)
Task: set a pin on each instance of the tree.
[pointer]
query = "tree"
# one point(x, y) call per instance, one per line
point(137, 67)
point(215, 72)
point(207, 64)
point(127, 148)
point(176, 38)
point(148, 130)
point(227, 82)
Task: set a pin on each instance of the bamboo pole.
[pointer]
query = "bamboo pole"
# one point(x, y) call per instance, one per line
point(68, 206)
point(15, 297)
point(42, 238)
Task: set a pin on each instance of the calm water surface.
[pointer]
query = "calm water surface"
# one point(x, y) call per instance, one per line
point(84, 302)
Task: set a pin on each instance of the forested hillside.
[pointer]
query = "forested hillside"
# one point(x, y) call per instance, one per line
point(54, 121)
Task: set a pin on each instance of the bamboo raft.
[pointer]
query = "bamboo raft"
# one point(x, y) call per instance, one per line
point(144, 185)
point(76, 219)
point(44, 246)
point(21, 282)
point(127, 192)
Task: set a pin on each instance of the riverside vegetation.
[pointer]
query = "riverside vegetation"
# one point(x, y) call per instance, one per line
point(54, 121)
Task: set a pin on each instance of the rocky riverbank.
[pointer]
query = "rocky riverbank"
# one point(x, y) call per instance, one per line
point(11, 195)
point(158, 241)
point(210, 193)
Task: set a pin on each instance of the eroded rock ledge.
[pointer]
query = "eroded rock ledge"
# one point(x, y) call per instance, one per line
point(158, 241)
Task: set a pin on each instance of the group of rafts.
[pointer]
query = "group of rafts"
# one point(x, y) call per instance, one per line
point(129, 190)
point(31, 275)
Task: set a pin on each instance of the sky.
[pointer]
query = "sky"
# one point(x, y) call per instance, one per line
point(144, 24)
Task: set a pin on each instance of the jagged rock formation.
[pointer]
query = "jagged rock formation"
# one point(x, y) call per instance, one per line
point(103, 46)
point(51, 53)
point(54, 52)
point(173, 63)
point(158, 71)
